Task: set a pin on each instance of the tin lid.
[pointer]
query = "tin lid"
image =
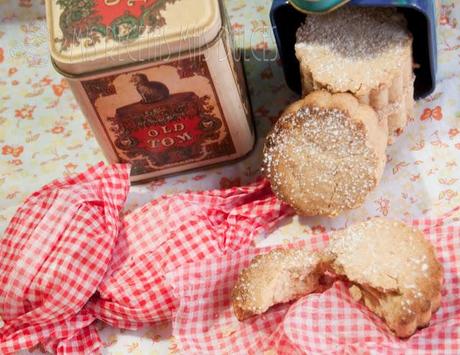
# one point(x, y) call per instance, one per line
point(316, 6)
point(91, 35)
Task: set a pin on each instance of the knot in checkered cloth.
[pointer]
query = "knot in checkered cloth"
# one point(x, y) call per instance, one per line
point(67, 258)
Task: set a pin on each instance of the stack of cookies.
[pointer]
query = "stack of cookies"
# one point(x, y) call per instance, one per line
point(326, 153)
point(363, 51)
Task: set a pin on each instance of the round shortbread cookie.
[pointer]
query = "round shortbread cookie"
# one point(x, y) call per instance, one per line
point(325, 153)
point(393, 269)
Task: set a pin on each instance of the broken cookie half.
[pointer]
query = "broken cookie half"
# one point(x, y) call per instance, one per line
point(280, 276)
point(392, 269)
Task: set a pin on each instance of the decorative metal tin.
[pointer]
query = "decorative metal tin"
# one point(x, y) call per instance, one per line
point(158, 80)
point(420, 14)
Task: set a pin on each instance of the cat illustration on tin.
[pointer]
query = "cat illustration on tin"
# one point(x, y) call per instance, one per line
point(150, 91)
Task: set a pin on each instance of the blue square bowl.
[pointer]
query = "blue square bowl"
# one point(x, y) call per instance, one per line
point(421, 19)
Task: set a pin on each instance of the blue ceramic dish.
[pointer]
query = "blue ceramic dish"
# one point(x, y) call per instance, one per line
point(421, 19)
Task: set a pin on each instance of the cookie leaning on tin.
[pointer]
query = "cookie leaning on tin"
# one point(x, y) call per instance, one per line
point(325, 153)
point(393, 269)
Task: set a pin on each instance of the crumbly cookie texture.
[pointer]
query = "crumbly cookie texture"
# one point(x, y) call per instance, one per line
point(363, 51)
point(393, 269)
point(279, 276)
point(325, 153)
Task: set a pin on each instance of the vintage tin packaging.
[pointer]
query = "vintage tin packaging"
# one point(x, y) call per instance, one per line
point(158, 80)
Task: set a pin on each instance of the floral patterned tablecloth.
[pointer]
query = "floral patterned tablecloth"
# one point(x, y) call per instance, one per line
point(43, 135)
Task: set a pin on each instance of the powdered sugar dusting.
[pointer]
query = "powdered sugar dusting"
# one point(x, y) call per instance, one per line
point(356, 32)
point(394, 267)
point(318, 161)
point(354, 50)
point(276, 277)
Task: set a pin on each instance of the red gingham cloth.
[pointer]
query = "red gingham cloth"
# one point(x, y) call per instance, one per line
point(64, 264)
point(322, 323)
point(53, 256)
point(55, 253)
point(171, 231)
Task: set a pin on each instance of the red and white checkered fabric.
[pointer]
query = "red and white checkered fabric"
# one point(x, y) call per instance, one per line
point(174, 230)
point(63, 245)
point(323, 323)
point(53, 256)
